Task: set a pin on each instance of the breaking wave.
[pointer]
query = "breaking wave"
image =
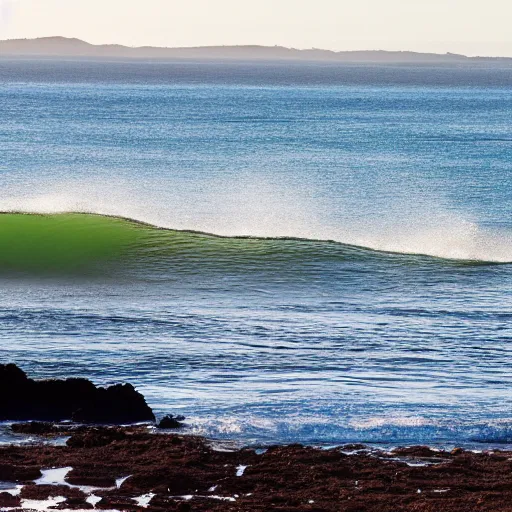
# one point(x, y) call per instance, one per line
point(76, 242)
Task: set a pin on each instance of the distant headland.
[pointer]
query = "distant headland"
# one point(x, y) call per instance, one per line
point(75, 48)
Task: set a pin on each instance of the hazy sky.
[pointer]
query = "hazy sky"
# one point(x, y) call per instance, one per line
point(466, 26)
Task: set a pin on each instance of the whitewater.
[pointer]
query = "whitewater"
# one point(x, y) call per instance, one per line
point(280, 252)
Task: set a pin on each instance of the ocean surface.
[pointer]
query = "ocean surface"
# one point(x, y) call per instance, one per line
point(280, 252)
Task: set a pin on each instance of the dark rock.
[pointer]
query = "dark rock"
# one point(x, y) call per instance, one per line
point(354, 447)
point(418, 451)
point(92, 476)
point(43, 492)
point(75, 504)
point(21, 473)
point(118, 503)
point(117, 404)
point(96, 437)
point(8, 500)
point(22, 399)
point(171, 422)
point(34, 427)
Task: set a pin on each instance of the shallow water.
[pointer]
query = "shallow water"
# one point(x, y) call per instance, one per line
point(369, 301)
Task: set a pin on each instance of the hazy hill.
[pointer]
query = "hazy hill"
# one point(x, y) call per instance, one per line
point(71, 47)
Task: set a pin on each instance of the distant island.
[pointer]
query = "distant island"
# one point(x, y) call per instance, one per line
point(76, 48)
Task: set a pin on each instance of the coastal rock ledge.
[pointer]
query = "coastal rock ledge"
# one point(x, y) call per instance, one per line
point(79, 400)
point(131, 469)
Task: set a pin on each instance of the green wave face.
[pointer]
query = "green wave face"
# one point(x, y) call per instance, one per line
point(87, 244)
point(64, 243)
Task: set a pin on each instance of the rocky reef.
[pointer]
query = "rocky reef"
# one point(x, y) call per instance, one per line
point(79, 400)
point(131, 469)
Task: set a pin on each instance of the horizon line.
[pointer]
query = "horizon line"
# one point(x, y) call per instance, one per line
point(313, 51)
point(243, 45)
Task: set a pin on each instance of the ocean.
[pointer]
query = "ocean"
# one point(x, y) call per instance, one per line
point(305, 252)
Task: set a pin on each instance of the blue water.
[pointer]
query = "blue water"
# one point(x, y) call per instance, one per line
point(385, 318)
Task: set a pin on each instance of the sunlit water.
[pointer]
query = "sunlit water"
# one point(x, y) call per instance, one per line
point(383, 316)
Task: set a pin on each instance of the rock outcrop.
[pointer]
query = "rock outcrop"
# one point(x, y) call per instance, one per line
point(22, 398)
point(171, 422)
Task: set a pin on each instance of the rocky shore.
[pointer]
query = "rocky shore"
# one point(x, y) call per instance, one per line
point(141, 468)
point(132, 469)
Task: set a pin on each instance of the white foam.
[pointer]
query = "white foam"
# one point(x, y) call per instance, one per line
point(221, 498)
point(121, 481)
point(144, 500)
point(189, 497)
point(93, 500)
point(16, 491)
point(55, 476)
point(22, 507)
point(240, 470)
point(380, 421)
point(42, 505)
point(46, 506)
point(417, 463)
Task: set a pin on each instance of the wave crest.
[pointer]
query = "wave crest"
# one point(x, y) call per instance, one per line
point(84, 243)
point(259, 210)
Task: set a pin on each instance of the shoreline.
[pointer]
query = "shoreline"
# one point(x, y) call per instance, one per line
point(69, 461)
point(130, 468)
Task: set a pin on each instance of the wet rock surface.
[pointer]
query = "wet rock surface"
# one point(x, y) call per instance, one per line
point(35, 427)
point(8, 500)
point(22, 398)
point(171, 422)
point(181, 473)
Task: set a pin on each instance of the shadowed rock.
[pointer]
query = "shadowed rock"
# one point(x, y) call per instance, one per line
point(8, 500)
point(35, 427)
point(74, 399)
point(171, 422)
